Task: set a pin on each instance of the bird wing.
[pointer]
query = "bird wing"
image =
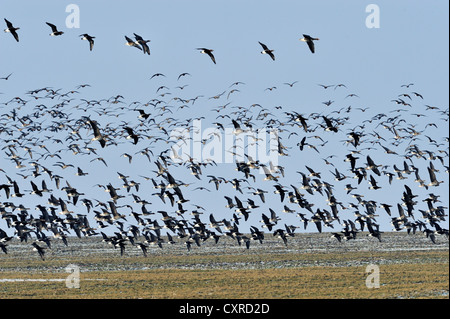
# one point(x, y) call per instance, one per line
point(229, 200)
point(15, 35)
point(264, 46)
point(138, 37)
point(8, 24)
point(311, 45)
point(238, 202)
point(370, 161)
point(236, 124)
point(33, 186)
point(327, 121)
point(54, 29)
point(132, 43)
point(91, 43)
point(432, 174)
point(16, 188)
point(273, 215)
point(211, 56)
point(318, 224)
point(129, 130)
point(94, 127)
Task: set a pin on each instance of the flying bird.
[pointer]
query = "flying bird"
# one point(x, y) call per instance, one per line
point(291, 84)
point(132, 43)
point(183, 74)
point(89, 38)
point(6, 78)
point(39, 249)
point(97, 135)
point(55, 31)
point(208, 52)
point(11, 29)
point(310, 41)
point(131, 135)
point(267, 51)
point(143, 43)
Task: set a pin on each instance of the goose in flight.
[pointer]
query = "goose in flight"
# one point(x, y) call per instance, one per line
point(208, 52)
point(267, 223)
point(267, 51)
point(183, 74)
point(55, 31)
point(131, 135)
point(237, 128)
point(373, 183)
point(290, 84)
point(11, 29)
point(372, 166)
point(132, 43)
point(329, 125)
point(143, 43)
point(97, 135)
point(310, 41)
point(433, 179)
point(39, 249)
point(89, 38)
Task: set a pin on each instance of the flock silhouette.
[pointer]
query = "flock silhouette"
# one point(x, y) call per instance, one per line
point(49, 135)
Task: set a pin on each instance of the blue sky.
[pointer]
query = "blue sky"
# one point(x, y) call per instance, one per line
point(406, 47)
point(410, 46)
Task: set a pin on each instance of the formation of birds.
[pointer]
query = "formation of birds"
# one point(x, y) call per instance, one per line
point(142, 44)
point(56, 149)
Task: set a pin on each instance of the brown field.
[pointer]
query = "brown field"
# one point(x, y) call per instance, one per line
point(268, 271)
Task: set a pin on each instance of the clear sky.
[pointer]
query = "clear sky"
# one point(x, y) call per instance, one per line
point(410, 45)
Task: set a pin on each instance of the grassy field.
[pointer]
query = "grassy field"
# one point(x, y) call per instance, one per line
point(403, 274)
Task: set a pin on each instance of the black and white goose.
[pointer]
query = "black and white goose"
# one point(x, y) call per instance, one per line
point(55, 31)
point(132, 43)
point(208, 52)
point(310, 41)
point(11, 29)
point(267, 51)
point(89, 38)
point(143, 43)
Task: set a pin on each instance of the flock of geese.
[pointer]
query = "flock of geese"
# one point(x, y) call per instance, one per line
point(54, 145)
point(142, 44)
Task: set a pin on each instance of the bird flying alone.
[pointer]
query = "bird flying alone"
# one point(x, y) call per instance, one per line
point(55, 31)
point(11, 29)
point(89, 38)
point(310, 41)
point(6, 77)
point(267, 51)
point(208, 52)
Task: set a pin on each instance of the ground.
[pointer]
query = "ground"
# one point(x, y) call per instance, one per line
point(310, 266)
